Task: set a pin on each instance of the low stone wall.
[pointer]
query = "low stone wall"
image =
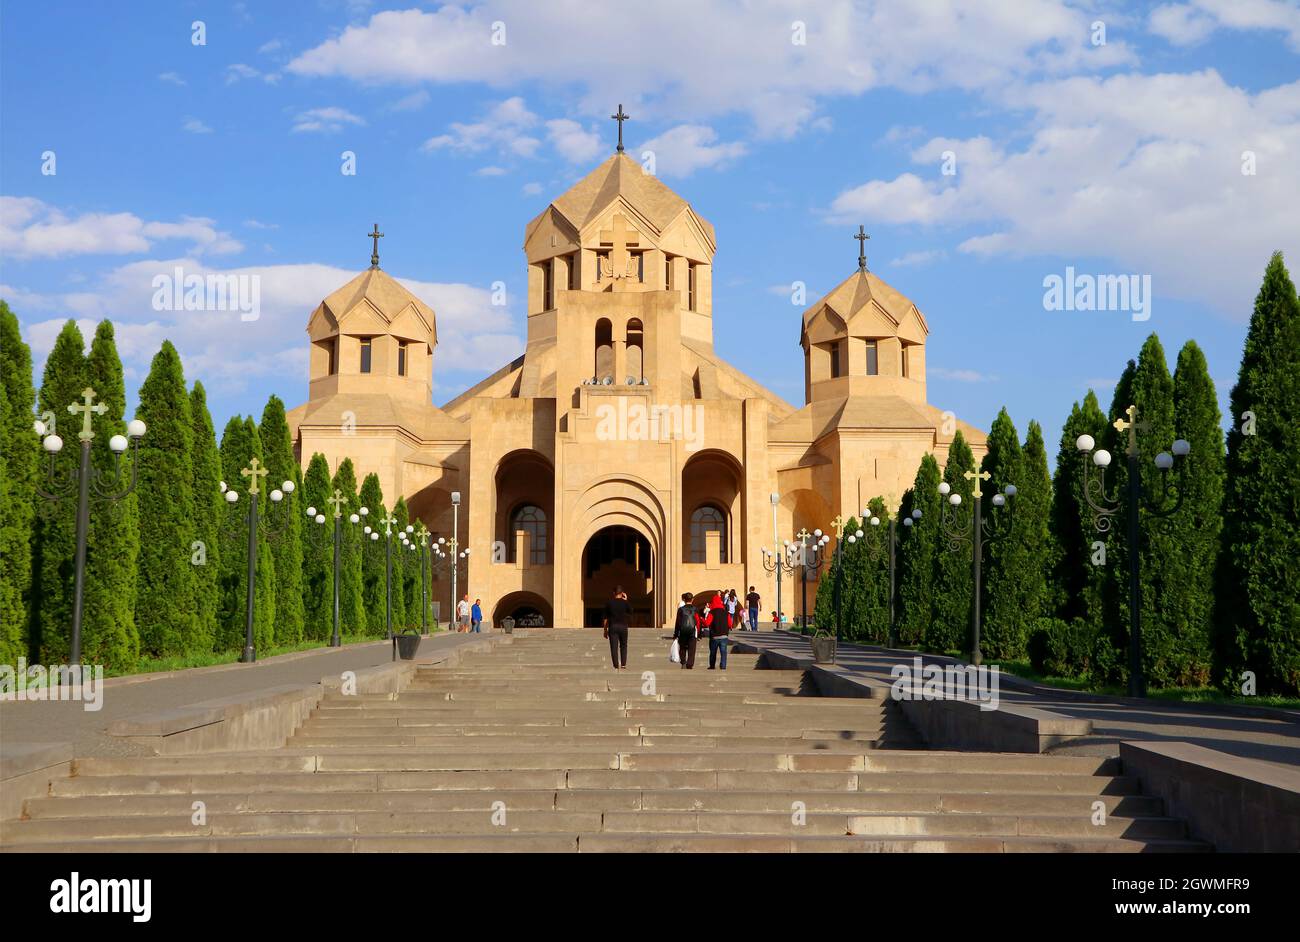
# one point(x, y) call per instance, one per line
point(1238, 805)
point(26, 770)
point(943, 724)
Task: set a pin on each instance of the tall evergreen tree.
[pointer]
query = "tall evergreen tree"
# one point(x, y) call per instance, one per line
point(1076, 581)
point(1032, 527)
point(109, 635)
point(1005, 620)
point(824, 607)
point(949, 629)
point(205, 553)
point(373, 596)
point(286, 548)
point(19, 455)
point(1151, 390)
point(166, 594)
point(405, 563)
point(918, 545)
point(1198, 522)
point(352, 612)
point(1258, 599)
point(318, 553)
point(54, 549)
point(868, 565)
point(240, 443)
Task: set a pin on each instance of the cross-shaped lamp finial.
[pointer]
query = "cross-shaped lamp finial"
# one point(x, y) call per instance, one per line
point(87, 407)
point(254, 471)
point(338, 500)
point(977, 478)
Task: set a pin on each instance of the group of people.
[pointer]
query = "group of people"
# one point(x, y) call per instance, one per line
point(469, 618)
point(715, 620)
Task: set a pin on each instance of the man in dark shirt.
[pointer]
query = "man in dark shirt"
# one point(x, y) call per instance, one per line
point(753, 600)
point(618, 612)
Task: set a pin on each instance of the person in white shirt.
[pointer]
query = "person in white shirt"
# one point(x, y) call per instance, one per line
point(462, 613)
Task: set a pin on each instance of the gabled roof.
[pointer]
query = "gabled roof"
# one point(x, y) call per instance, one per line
point(425, 422)
point(862, 292)
point(620, 175)
point(374, 289)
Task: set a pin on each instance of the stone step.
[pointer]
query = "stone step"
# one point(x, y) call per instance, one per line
point(360, 727)
point(113, 802)
point(567, 743)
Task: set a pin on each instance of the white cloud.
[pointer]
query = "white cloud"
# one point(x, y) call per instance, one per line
point(30, 228)
point(491, 172)
point(572, 141)
point(325, 120)
point(503, 131)
point(229, 354)
point(960, 376)
point(412, 102)
point(269, 47)
point(195, 126)
point(171, 78)
point(740, 52)
point(920, 258)
point(532, 189)
point(1142, 170)
point(682, 150)
point(1187, 24)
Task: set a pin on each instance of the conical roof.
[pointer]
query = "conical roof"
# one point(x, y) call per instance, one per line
point(862, 290)
point(382, 292)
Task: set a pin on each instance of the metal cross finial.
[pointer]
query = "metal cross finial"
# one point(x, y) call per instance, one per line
point(802, 535)
point(981, 476)
point(375, 236)
point(421, 531)
point(862, 238)
point(338, 500)
point(254, 471)
point(620, 118)
point(838, 525)
point(1132, 426)
point(389, 522)
point(86, 408)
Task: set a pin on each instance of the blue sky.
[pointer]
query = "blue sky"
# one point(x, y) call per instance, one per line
point(1117, 157)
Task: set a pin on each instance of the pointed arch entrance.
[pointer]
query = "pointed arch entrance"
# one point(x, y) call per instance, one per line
point(618, 556)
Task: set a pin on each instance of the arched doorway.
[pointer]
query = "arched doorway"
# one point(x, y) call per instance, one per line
point(528, 609)
point(614, 556)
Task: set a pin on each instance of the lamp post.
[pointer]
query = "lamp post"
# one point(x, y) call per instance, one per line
point(1105, 506)
point(89, 485)
point(976, 532)
point(447, 558)
point(838, 564)
point(421, 545)
point(254, 472)
point(389, 522)
point(876, 552)
point(810, 555)
point(779, 559)
point(337, 500)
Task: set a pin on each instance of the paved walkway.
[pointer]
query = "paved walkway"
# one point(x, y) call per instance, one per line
point(1256, 733)
point(68, 721)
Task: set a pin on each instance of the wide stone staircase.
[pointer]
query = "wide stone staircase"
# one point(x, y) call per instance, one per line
point(538, 745)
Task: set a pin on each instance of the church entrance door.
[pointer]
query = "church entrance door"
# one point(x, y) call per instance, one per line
point(615, 556)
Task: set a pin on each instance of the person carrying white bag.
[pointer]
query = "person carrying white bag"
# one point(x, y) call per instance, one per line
point(685, 632)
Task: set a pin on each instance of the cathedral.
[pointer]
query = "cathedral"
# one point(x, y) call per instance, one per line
point(619, 448)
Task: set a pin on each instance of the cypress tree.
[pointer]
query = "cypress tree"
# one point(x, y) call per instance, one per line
point(868, 564)
point(1032, 526)
point(918, 545)
point(166, 594)
point(1258, 600)
point(410, 572)
point(54, 549)
point(109, 635)
point(352, 612)
point(1004, 627)
point(1151, 390)
point(205, 554)
point(287, 518)
point(19, 462)
point(1198, 522)
point(318, 553)
point(828, 585)
point(373, 596)
point(1077, 582)
point(949, 628)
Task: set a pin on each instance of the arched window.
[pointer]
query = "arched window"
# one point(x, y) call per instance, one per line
point(635, 350)
point(532, 520)
point(708, 517)
point(604, 349)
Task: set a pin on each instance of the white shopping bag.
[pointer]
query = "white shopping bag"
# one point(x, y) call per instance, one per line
point(675, 653)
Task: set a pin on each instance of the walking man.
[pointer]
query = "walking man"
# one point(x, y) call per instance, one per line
point(753, 600)
point(476, 616)
point(462, 614)
point(618, 614)
point(686, 632)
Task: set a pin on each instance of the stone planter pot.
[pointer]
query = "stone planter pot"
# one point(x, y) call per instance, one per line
point(407, 644)
point(508, 625)
point(823, 650)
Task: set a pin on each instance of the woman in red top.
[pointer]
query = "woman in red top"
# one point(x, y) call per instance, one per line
point(719, 627)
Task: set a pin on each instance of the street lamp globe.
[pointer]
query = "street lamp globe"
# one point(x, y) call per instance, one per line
point(954, 499)
point(117, 444)
point(1101, 458)
point(365, 511)
point(1182, 447)
point(366, 531)
point(875, 521)
point(374, 536)
point(1010, 490)
point(859, 534)
point(998, 500)
point(135, 428)
point(287, 487)
point(277, 495)
point(916, 514)
point(944, 488)
point(320, 518)
point(907, 521)
point(353, 518)
point(53, 444)
point(1085, 443)
point(853, 538)
point(232, 496)
point(311, 511)
point(39, 428)
point(1164, 461)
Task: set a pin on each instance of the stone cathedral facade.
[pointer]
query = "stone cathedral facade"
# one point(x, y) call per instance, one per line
point(619, 448)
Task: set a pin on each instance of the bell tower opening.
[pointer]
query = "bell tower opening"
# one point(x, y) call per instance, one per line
point(617, 556)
